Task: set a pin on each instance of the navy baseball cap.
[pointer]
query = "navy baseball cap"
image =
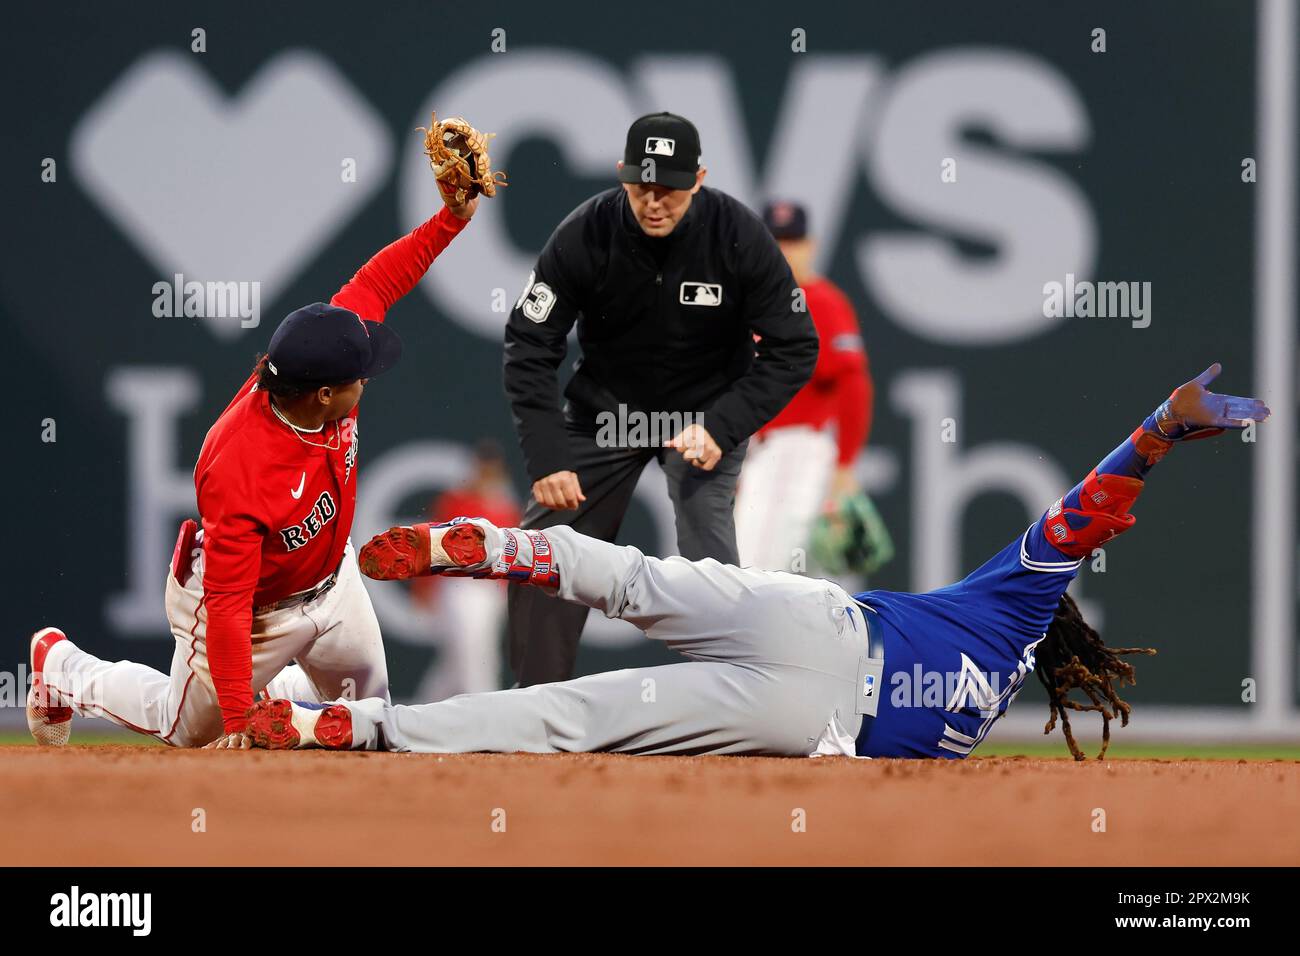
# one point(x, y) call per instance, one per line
point(786, 220)
point(661, 148)
point(323, 344)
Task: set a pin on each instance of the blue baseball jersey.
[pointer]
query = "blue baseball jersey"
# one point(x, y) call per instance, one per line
point(956, 658)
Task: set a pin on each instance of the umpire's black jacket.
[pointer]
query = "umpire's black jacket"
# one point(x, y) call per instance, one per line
point(665, 324)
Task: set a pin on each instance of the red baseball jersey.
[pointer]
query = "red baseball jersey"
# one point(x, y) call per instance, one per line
point(840, 389)
point(276, 505)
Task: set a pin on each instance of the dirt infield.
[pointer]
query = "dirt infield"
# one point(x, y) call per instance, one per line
point(134, 805)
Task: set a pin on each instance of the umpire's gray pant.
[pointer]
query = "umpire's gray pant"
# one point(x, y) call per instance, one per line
point(773, 664)
point(543, 633)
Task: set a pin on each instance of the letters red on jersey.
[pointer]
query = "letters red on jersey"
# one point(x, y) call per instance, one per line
point(840, 387)
point(277, 508)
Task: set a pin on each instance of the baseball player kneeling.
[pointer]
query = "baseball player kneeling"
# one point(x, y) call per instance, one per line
point(267, 576)
point(780, 664)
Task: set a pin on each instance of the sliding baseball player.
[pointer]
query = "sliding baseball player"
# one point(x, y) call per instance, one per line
point(777, 663)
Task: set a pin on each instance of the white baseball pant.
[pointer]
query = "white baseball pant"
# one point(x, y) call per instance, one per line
point(334, 639)
point(785, 479)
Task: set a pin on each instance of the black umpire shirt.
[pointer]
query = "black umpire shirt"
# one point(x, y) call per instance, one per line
point(665, 324)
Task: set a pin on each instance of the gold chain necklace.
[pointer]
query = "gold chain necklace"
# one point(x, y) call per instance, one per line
point(298, 431)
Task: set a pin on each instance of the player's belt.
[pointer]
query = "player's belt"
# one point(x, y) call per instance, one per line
point(871, 669)
point(300, 597)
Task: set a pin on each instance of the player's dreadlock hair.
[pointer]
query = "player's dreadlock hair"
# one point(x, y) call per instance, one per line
point(1073, 655)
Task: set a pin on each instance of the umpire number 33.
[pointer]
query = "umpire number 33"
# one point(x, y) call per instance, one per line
point(537, 299)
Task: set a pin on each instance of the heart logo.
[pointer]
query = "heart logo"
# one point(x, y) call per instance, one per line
point(230, 189)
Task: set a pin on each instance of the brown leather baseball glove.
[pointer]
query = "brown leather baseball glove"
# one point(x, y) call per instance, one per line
point(458, 154)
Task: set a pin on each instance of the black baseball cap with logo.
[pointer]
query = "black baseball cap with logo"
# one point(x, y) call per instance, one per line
point(323, 344)
point(661, 148)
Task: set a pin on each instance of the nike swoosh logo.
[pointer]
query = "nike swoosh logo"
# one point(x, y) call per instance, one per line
point(301, 483)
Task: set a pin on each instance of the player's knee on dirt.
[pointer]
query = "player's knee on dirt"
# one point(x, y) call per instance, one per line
point(1091, 514)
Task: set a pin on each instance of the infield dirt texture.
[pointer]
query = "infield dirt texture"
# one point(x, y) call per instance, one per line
point(129, 805)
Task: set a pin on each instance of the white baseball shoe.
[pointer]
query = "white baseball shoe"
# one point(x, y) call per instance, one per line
point(50, 723)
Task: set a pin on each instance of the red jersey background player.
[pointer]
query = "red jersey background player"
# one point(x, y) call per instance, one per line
point(263, 591)
point(802, 461)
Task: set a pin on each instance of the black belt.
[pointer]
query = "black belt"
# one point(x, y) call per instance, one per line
point(301, 597)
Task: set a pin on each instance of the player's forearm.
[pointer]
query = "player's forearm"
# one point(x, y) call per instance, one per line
point(397, 268)
point(230, 655)
point(530, 376)
point(1138, 454)
point(543, 439)
point(854, 401)
point(539, 424)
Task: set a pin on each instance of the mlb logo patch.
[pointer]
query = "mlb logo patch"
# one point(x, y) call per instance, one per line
point(869, 685)
point(660, 146)
point(700, 293)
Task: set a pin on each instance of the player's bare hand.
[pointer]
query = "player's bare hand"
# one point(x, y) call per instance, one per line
point(697, 447)
point(559, 492)
point(844, 484)
point(463, 210)
point(231, 742)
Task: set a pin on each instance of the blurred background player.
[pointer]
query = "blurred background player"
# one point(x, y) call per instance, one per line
point(470, 618)
point(667, 282)
point(800, 464)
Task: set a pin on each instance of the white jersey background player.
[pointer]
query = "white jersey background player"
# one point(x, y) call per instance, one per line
point(801, 463)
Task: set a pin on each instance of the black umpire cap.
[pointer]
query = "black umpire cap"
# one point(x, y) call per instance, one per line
point(662, 148)
point(785, 220)
point(323, 344)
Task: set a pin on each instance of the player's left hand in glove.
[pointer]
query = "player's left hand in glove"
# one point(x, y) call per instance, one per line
point(458, 154)
point(1193, 411)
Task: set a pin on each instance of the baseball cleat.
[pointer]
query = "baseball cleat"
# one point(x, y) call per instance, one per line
point(294, 725)
point(50, 725)
point(410, 551)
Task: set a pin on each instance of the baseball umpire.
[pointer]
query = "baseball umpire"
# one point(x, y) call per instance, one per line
point(669, 283)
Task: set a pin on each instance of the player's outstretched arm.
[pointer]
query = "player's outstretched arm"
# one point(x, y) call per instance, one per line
point(398, 267)
point(1097, 509)
point(458, 154)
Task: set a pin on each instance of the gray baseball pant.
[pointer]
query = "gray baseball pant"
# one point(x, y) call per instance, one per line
point(543, 633)
point(772, 661)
